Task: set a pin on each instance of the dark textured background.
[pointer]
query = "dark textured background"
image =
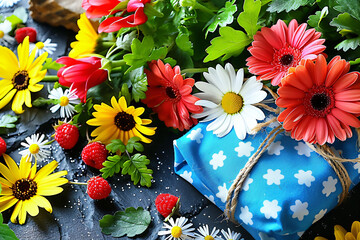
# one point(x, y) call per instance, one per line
point(75, 215)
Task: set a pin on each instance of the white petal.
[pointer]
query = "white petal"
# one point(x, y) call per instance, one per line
point(216, 123)
point(209, 89)
point(213, 79)
point(254, 111)
point(251, 85)
point(214, 115)
point(250, 122)
point(224, 76)
point(206, 103)
point(239, 126)
point(254, 97)
point(238, 81)
point(225, 127)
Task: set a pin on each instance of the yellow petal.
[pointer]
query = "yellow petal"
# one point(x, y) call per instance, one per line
point(49, 191)
point(7, 174)
point(22, 215)
point(27, 96)
point(115, 105)
point(6, 191)
point(23, 53)
point(42, 202)
point(143, 139)
point(52, 177)
point(7, 98)
point(13, 167)
point(46, 170)
point(31, 207)
point(33, 170)
point(16, 211)
point(122, 104)
point(6, 86)
point(355, 228)
point(320, 238)
point(17, 104)
point(36, 66)
point(25, 167)
point(146, 121)
point(104, 108)
point(5, 183)
point(8, 60)
point(54, 183)
point(7, 202)
point(145, 130)
point(31, 58)
point(35, 87)
point(139, 111)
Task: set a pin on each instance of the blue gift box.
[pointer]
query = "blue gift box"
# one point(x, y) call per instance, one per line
point(289, 189)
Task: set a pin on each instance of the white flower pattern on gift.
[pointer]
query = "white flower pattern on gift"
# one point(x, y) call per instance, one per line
point(275, 148)
point(217, 160)
point(264, 236)
point(273, 124)
point(187, 176)
point(329, 186)
point(244, 149)
point(246, 184)
point(273, 177)
point(210, 198)
point(270, 209)
point(305, 177)
point(320, 215)
point(196, 135)
point(300, 210)
point(223, 192)
point(246, 216)
point(303, 149)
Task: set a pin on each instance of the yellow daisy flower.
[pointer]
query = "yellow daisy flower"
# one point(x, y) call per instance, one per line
point(20, 77)
point(24, 187)
point(341, 234)
point(86, 38)
point(119, 122)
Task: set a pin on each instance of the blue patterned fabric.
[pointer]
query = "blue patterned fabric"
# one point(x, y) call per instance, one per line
point(289, 189)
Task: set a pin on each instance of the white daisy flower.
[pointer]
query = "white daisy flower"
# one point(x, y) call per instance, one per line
point(67, 101)
point(178, 229)
point(228, 100)
point(230, 235)
point(42, 47)
point(204, 233)
point(5, 28)
point(8, 3)
point(35, 147)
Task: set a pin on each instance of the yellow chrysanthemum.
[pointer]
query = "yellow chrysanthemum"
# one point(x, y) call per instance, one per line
point(119, 122)
point(86, 38)
point(341, 234)
point(24, 187)
point(20, 77)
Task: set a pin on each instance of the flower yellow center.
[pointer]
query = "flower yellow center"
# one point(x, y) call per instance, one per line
point(24, 189)
point(34, 148)
point(40, 45)
point(208, 237)
point(20, 80)
point(64, 101)
point(176, 232)
point(232, 103)
point(2, 34)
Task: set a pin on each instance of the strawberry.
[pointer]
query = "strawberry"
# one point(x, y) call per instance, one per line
point(98, 188)
point(167, 204)
point(94, 154)
point(2, 146)
point(21, 33)
point(66, 135)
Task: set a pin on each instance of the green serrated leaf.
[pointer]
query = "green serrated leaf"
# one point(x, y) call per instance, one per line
point(224, 16)
point(138, 81)
point(347, 22)
point(83, 114)
point(116, 145)
point(143, 52)
point(129, 223)
point(315, 20)
point(131, 144)
point(125, 93)
point(5, 232)
point(170, 61)
point(113, 165)
point(347, 44)
point(288, 5)
point(8, 121)
point(136, 167)
point(248, 19)
point(349, 6)
point(50, 64)
point(230, 43)
point(183, 41)
point(40, 102)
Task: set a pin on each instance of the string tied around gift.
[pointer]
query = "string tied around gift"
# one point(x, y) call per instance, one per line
point(323, 150)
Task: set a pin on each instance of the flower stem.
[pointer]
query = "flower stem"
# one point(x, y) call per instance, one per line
point(118, 63)
point(50, 142)
point(50, 78)
point(77, 183)
point(193, 70)
point(106, 44)
point(203, 8)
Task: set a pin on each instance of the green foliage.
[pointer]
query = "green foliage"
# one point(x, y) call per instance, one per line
point(5, 232)
point(143, 52)
point(230, 43)
point(224, 16)
point(41, 102)
point(134, 143)
point(50, 64)
point(349, 6)
point(112, 165)
point(136, 167)
point(315, 20)
point(137, 80)
point(8, 121)
point(348, 27)
point(129, 223)
point(287, 5)
point(183, 41)
point(83, 114)
point(116, 145)
point(248, 19)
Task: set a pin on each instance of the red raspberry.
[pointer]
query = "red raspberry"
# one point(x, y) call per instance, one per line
point(21, 33)
point(98, 188)
point(2, 146)
point(94, 154)
point(66, 135)
point(167, 204)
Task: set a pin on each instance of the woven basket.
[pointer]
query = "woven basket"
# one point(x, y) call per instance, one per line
point(57, 12)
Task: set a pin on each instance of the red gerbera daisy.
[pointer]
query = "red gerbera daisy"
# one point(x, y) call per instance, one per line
point(321, 100)
point(169, 95)
point(276, 49)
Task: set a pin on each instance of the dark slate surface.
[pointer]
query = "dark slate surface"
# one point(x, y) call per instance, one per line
point(76, 216)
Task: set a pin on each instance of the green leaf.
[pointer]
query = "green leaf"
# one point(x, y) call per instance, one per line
point(287, 5)
point(50, 64)
point(134, 143)
point(315, 20)
point(349, 6)
point(8, 121)
point(170, 61)
point(136, 167)
point(84, 114)
point(125, 93)
point(5, 232)
point(116, 145)
point(138, 84)
point(249, 17)
point(14, 20)
point(230, 43)
point(346, 22)
point(143, 52)
point(183, 41)
point(347, 44)
point(223, 17)
point(40, 102)
point(113, 165)
point(355, 62)
point(129, 223)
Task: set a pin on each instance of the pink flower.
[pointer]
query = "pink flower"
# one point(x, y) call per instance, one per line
point(81, 74)
point(321, 100)
point(99, 8)
point(276, 49)
point(113, 24)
